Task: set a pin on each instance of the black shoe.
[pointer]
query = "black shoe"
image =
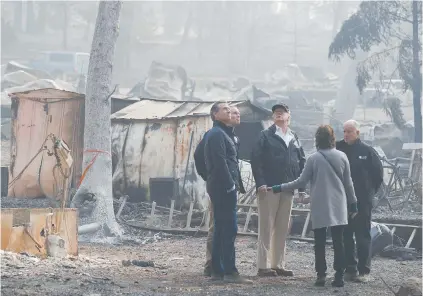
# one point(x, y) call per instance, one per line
point(216, 276)
point(362, 278)
point(320, 281)
point(283, 272)
point(236, 279)
point(266, 273)
point(338, 281)
point(351, 276)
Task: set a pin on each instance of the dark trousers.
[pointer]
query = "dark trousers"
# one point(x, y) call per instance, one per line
point(360, 228)
point(320, 250)
point(225, 231)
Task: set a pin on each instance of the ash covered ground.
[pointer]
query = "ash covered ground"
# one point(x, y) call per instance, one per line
point(178, 264)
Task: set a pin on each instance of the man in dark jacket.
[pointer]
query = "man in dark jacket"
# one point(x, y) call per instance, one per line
point(200, 165)
point(223, 177)
point(277, 158)
point(367, 175)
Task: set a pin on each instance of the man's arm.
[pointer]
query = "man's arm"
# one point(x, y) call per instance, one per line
point(301, 157)
point(301, 181)
point(241, 185)
point(257, 162)
point(216, 153)
point(375, 169)
point(349, 187)
point(199, 159)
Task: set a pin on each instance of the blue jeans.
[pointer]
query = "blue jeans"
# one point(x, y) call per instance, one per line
point(225, 231)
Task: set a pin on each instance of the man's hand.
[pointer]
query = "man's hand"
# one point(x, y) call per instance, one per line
point(353, 210)
point(263, 189)
point(275, 189)
point(302, 196)
point(232, 189)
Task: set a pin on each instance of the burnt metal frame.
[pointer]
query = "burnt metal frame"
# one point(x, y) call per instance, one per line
point(394, 179)
point(204, 227)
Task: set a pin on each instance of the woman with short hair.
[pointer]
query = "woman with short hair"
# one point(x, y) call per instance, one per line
point(332, 200)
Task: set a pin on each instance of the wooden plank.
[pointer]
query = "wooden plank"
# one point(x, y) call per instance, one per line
point(153, 208)
point(410, 168)
point(307, 221)
point(207, 224)
point(191, 207)
point(255, 207)
point(400, 225)
point(247, 206)
point(247, 221)
point(196, 231)
point(412, 146)
point(172, 207)
point(16, 239)
point(410, 240)
point(122, 205)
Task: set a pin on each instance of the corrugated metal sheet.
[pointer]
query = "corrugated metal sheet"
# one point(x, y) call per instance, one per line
point(143, 150)
point(36, 114)
point(159, 109)
point(48, 94)
point(147, 150)
point(119, 102)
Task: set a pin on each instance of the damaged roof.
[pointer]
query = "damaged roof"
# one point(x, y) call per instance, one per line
point(46, 94)
point(161, 109)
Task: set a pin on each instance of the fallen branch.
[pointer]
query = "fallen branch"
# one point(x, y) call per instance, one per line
point(88, 228)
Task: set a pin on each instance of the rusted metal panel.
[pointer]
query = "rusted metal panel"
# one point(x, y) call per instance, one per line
point(203, 108)
point(147, 109)
point(30, 236)
point(146, 153)
point(127, 143)
point(157, 158)
point(184, 109)
point(195, 187)
point(35, 115)
point(120, 102)
point(45, 94)
point(159, 109)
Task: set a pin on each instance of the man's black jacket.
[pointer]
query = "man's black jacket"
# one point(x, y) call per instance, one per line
point(273, 162)
point(200, 163)
point(220, 155)
point(366, 169)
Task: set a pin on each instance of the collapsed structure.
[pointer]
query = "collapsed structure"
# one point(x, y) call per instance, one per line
point(35, 115)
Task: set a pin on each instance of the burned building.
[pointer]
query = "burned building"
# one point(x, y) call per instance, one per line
point(153, 142)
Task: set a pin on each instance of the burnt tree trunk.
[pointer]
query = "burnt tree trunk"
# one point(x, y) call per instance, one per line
point(417, 75)
point(94, 197)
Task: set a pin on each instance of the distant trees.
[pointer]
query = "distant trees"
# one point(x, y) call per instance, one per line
point(389, 31)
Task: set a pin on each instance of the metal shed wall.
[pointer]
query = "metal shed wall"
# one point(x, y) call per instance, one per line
point(145, 150)
point(36, 114)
